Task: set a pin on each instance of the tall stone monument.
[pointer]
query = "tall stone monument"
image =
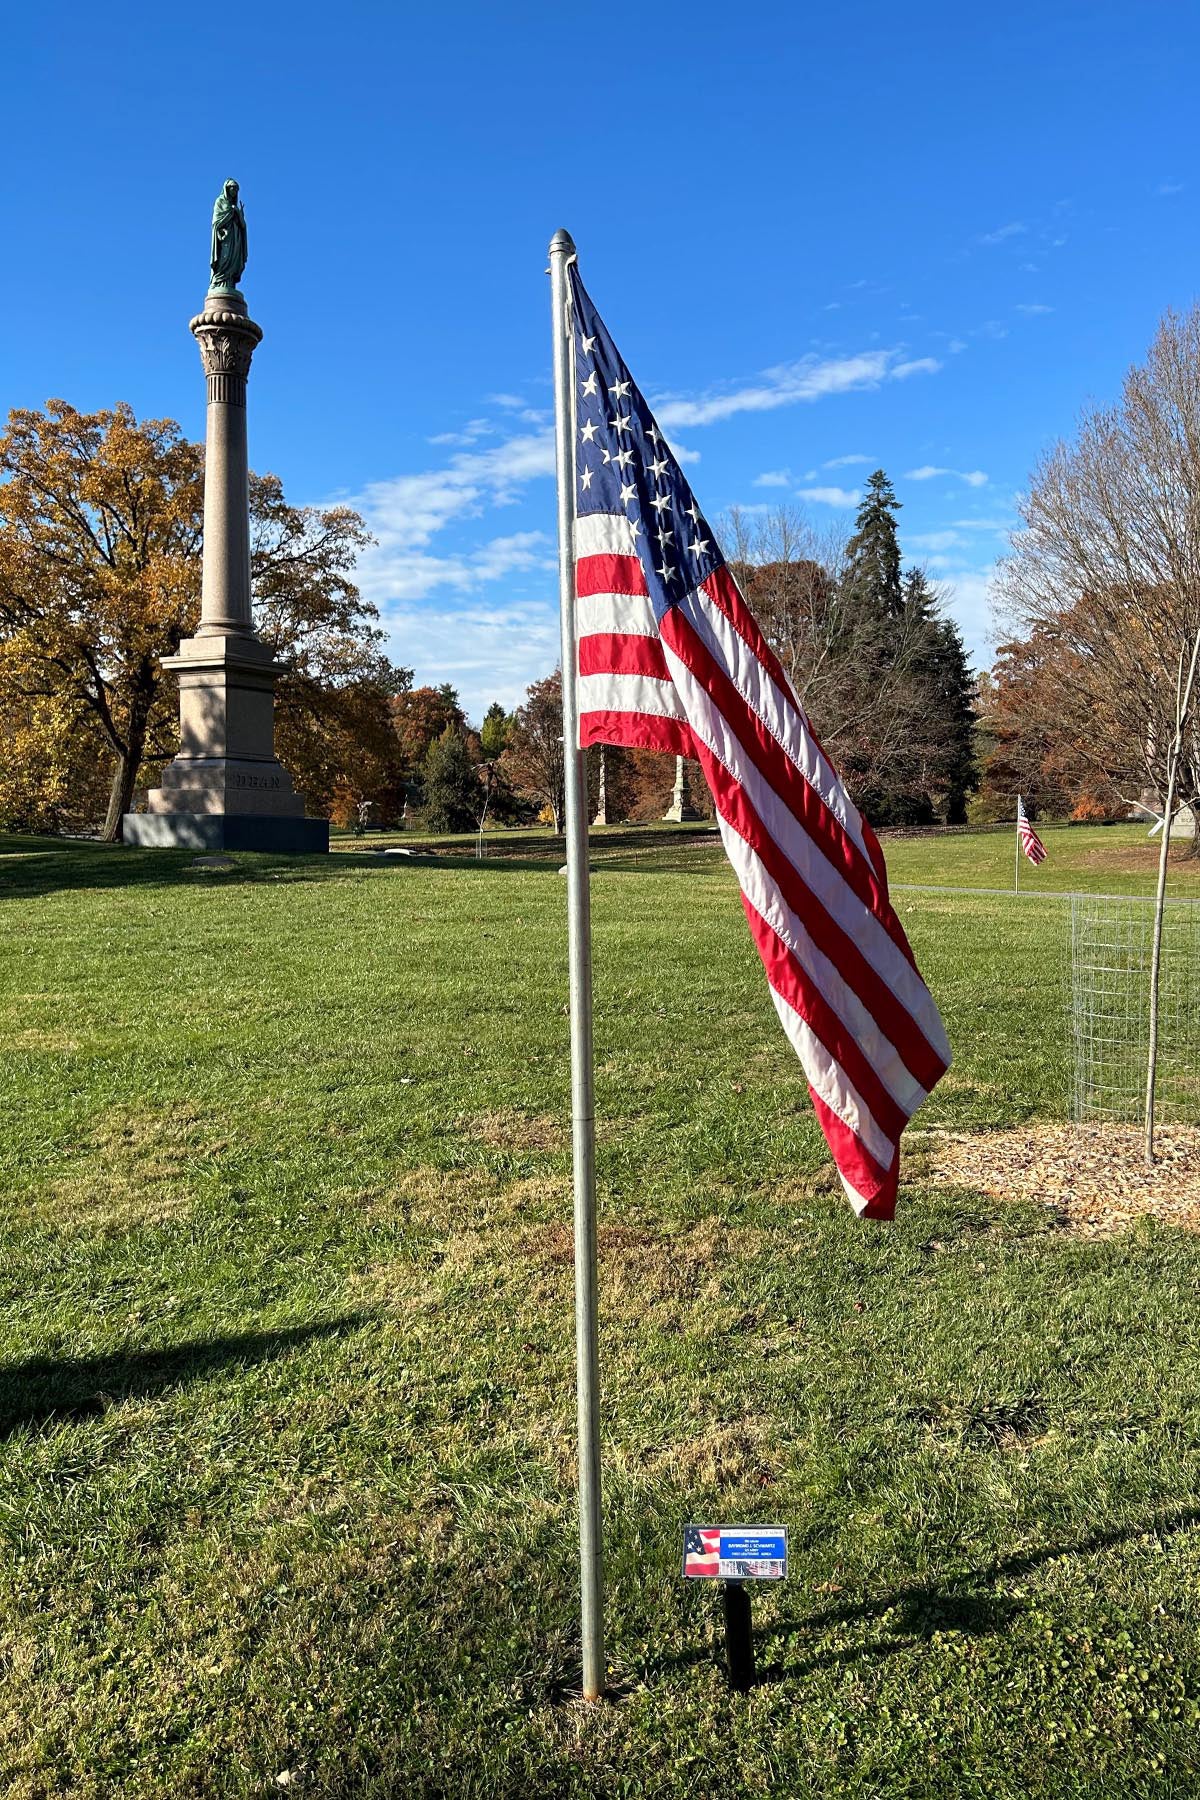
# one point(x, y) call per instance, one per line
point(681, 807)
point(226, 790)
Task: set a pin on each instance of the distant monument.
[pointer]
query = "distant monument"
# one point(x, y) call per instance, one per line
point(681, 807)
point(225, 790)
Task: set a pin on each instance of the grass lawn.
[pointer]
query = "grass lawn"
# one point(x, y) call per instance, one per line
point(286, 1353)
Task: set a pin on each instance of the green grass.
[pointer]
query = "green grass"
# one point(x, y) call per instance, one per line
point(286, 1420)
point(1114, 859)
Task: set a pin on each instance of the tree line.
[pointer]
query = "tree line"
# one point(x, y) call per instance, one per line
point(100, 536)
point(881, 670)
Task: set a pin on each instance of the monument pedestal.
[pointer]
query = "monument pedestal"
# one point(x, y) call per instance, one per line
point(226, 790)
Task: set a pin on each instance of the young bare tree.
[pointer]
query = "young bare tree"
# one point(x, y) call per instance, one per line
point(1109, 559)
point(1107, 564)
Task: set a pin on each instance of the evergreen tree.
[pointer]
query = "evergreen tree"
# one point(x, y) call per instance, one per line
point(494, 734)
point(872, 577)
point(453, 791)
point(872, 655)
point(937, 770)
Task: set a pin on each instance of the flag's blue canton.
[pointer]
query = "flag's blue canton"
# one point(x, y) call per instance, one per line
point(623, 465)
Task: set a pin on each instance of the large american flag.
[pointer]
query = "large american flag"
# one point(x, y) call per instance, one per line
point(1031, 843)
point(670, 658)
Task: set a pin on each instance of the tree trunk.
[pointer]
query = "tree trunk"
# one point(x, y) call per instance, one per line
point(1183, 701)
point(120, 798)
point(129, 761)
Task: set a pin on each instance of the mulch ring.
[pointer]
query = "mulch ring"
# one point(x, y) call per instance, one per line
point(1093, 1177)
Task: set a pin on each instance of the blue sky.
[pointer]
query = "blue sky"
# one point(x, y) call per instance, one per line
point(826, 239)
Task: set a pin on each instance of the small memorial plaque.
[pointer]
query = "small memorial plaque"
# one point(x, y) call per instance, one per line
point(735, 1552)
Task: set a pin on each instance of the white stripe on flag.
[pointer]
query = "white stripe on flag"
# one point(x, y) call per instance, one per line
point(629, 693)
point(764, 896)
point(627, 615)
point(827, 1078)
point(604, 534)
point(781, 714)
point(824, 881)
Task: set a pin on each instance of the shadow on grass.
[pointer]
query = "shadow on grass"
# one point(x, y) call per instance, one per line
point(959, 1603)
point(32, 868)
point(46, 1389)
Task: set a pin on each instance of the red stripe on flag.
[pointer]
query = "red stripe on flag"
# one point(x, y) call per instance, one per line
point(875, 1184)
point(726, 595)
point(637, 731)
point(788, 977)
point(622, 653)
point(889, 1012)
point(610, 575)
point(824, 830)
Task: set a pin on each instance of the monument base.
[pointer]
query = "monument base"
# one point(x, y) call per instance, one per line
point(271, 835)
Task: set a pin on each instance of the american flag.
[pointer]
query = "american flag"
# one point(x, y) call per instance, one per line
point(702, 1550)
point(670, 658)
point(1031, 843)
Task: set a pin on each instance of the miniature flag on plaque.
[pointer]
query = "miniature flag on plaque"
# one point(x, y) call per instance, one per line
point(735, 1552)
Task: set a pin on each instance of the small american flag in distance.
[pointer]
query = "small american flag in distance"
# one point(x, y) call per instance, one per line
point(702, 1550)
point(671, 658)
point(1031, 843)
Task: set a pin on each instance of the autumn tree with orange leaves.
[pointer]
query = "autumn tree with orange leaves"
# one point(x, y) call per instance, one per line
point(100, 537)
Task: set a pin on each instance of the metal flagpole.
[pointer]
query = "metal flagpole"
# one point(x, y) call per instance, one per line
point(1017, 850)
point(579, 929)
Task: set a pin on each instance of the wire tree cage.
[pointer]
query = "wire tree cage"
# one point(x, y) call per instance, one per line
point(1111, 947)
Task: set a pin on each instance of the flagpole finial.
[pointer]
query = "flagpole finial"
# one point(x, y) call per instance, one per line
point(562, 244)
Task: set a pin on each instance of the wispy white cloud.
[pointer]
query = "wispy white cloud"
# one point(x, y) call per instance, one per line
point(927, 472)
point(471, 432)
point(811, 378)
point(921, 365)
point(847, 462)
point(1033, 307)
point(488, 651)
point(1003, 526)
point(830, 496)
point(390, 573)
point(510, 402)
point(1170, 187)
point(933, 540)
point(407, 511)
point(1002, 233)
point(774, 478)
